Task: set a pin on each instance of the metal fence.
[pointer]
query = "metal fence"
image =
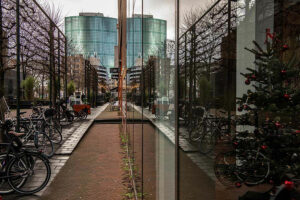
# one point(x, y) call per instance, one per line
point(32, 45)
point(207, 61)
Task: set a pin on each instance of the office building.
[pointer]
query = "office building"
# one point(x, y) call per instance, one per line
point(92, 34)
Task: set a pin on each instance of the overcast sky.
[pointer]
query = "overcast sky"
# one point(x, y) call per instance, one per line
point(162, 9)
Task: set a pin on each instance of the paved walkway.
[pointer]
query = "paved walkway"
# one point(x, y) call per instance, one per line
point(108, 114)
point(94, 170)
point(72, 135)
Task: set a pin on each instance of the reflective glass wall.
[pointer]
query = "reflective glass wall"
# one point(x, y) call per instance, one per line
point(154, 37)
point(229, 129)
point(151, 96)
point(238, 96)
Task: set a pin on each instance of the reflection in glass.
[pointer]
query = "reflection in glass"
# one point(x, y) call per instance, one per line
point(238, 99)
point(151, 92)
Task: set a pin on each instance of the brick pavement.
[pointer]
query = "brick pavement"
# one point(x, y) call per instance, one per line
point(94, 171)
point(72, 134)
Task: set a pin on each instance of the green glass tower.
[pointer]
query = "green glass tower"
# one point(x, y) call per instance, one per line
point(154, 38)
point(92, 33)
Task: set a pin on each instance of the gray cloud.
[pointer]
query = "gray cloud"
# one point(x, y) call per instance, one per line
point(163, 9)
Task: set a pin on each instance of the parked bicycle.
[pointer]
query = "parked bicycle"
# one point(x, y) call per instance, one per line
point(41, 131)
point(21, 170)
point(69, 116)
point(259, 157)
point(207, 129)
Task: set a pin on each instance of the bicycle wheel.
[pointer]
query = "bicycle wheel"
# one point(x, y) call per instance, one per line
point(54, 134)
point(208, 140)
point(57, 125)
point(253, 167)
point(5, 188)
point(82, 114)
point(225, 168)
point(44, 144)
point(33, 167)
point(70, 116)
point(197, 132)
point(66, 119)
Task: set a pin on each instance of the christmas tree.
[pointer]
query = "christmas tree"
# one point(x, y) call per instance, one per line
point(272, 105)
point(275, 92)
point(268, 146)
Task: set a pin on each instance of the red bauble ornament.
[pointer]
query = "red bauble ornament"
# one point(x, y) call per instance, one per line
point(285, 47)
point(264, 146)
point(238, 184)
point(246, 107)
point(240, 109)
point(253, 76)
point(247, 82)
point(289, 185)
point(286, 96)
point(283, 72)
point(277, 124)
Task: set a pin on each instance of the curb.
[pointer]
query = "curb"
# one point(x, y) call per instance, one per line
point(72, 142)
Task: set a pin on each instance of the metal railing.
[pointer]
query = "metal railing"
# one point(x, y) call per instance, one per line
point(206, 60)
point(32, 45)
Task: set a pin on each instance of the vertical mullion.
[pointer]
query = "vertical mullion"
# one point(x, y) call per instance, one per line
point(185, 67)
point(66, 70)
point(177, 89)
point(58, 65)
point(142, 37)
point(18, 60)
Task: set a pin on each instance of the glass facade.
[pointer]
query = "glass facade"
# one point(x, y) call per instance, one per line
point(238, 71)
point(222, 122)
point(93, 35)
point(150, 100)
point(98, 34)
point(154, 38)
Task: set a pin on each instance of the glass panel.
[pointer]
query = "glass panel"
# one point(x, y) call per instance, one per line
point(151, 90)
point(207, 66)
point(159, 94)
point(238, 99)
